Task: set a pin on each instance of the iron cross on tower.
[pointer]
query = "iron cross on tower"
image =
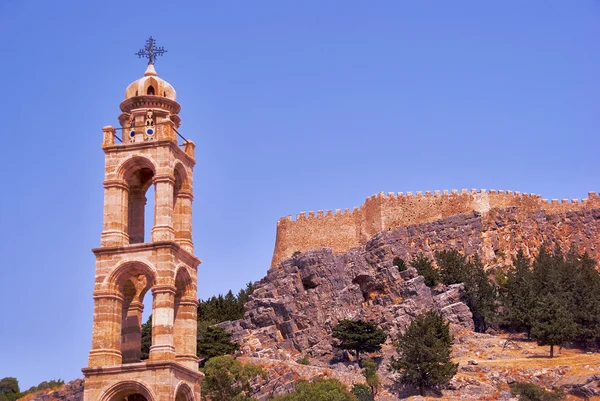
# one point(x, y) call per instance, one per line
point(150, 51)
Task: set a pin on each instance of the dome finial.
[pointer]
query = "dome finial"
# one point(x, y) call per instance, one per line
point(151, 52)
point(150, 71)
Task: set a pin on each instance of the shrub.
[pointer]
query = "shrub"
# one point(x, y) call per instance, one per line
point(362, 392)
point(531, 392)
point(399, 263)
point(304, 360)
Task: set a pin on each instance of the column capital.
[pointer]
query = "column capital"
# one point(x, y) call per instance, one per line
point(103, 294)
point(120, 184)
point(185, 193)
point(163, 178)
point(164, 289)
point(189, 301)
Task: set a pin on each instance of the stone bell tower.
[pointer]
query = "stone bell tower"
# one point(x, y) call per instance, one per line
point(130, 266)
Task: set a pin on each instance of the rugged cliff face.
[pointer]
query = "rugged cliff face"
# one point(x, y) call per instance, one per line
point(297, 304)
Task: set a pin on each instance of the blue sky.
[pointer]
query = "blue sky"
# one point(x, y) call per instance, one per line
point(294, 106)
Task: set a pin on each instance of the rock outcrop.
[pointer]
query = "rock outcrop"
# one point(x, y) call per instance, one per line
point(295, 307)
point(72, 391)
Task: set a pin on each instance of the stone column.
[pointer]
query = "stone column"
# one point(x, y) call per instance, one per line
point(163, 208)
point(131, 332)
point(186, 332)
point(136, 206)
point(114, 232)
point(106, 338)
point(162, 323)
point(183, 220)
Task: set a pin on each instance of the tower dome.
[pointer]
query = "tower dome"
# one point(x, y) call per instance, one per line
point(150, 85)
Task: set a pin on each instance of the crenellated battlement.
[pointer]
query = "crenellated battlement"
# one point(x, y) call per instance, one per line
point(344, 229)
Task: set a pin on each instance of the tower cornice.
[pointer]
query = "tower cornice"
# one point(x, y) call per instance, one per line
point(128, 147)
point(150, 102)
point(181, 253)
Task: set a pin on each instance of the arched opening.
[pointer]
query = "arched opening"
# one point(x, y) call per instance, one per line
point(182, 205)
point(184, 393)
point(130, 397)
point(139, 174)
point(128, 391)
point(185, 309)
point(150, 90)
point(132, 281)
point(179, 174)
point(149, 213)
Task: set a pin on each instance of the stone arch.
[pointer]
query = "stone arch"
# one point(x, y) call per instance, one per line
point(183, 282)
point(119, 276)
point(131, 281)
point(138, 173)
point(128, 388)
point(131, 170)
point(183, 392)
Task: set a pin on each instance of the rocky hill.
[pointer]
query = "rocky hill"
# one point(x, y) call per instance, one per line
point(294, 308)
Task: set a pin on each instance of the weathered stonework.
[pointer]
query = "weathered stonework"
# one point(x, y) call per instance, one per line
point(342, 231)
point(129, 266)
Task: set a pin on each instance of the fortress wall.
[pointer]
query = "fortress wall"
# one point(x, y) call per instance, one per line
point(336, 229)
point(344, 231)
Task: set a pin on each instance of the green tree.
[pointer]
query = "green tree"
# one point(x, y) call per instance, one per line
point(424, 353)
point(359, 336)
point(45, 385)
point(480, 292)
point(453, 266)
point(518, 297)
point(583, 296)
point(425, 268)
point(227, 379)
point(481, 295)
point(362, 392)
point(146, 338)
point(9, 388)
point(214, 341)
point(319, 390)
point(553, 323)
point(369, 371)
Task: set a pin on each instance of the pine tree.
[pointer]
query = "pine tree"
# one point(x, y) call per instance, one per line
point(214, 341)
point(424, 353)
point(585, 301)
point(553, 322)
point(453, 266)
point(481, 294)
point(518, 296)
point(425, 268)
point(359, 336)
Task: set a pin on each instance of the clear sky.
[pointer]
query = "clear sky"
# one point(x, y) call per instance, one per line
point(294, 106)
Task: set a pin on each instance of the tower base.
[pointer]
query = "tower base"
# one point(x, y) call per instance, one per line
point(142, 381)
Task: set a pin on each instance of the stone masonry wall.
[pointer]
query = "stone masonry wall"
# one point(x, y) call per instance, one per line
point(342, 231)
